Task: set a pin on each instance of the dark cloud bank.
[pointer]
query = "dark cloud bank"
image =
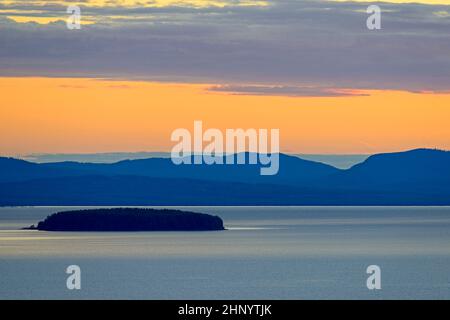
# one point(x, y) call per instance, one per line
point(288, 47)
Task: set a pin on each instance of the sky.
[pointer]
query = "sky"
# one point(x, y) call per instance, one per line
point(137, 70)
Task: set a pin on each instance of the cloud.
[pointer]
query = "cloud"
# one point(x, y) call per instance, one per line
point(289, 45)
point(442, 14)
point(279, 90)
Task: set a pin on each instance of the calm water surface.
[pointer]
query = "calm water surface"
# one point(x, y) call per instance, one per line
point(266, 253)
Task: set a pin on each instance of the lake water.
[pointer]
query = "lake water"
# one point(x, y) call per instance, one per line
point(266, 253)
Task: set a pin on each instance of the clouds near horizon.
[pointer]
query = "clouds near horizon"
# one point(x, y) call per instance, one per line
point(273, 44)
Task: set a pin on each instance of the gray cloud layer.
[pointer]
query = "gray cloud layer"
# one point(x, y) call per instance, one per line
point(290, 44)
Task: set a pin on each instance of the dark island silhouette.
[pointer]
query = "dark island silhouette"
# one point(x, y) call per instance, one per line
point(129, 219)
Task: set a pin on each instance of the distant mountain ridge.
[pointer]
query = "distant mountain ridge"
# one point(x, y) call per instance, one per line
point(341, 161)
point(292, 170)
point(385, 169)
point(415, 177)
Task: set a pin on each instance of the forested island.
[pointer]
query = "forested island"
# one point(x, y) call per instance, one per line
point(129, 219)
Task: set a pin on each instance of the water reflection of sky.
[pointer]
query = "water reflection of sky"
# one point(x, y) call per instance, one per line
point(280, 232)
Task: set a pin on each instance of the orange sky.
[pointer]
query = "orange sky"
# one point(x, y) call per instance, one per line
point(55, 115)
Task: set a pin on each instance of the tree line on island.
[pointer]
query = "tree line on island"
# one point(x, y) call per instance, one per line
point(129, 219)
